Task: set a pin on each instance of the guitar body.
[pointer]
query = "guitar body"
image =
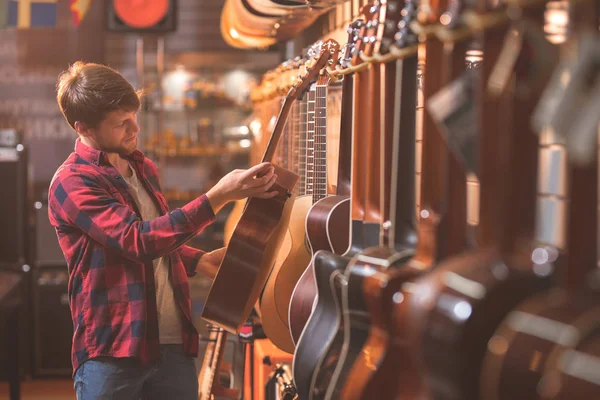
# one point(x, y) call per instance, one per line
point(379, 288)
point(333, 330)
point(291, 261)
point(356, 312)
point(470, 296)
point(323, 322)
point(232, 220)
point(540, 335)
point(250, 256)
point(327, 228)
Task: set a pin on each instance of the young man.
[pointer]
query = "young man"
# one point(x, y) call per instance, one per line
point(126, 252)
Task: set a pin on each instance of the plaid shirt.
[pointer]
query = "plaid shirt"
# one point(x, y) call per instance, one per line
point(109, 252)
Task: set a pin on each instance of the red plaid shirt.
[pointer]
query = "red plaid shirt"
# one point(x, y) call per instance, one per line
point(109, 252)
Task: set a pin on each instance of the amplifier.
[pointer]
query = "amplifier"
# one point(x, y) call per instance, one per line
point(47, 250)
point(14, 203)
point(53, 327)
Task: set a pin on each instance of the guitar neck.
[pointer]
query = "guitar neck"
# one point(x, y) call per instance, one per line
point(373, 216)
point(301, 144)
point(434, 156)
point(278, 130)
point(310, 142)
point(359, 164)
point(398, 184)
point(320, 143)
point(494, 149)
point(210, 364)
point(345, 152)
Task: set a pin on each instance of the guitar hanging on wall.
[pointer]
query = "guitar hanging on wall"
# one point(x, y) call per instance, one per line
point(258, 235)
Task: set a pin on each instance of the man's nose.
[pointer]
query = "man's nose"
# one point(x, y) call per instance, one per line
point(134, 127)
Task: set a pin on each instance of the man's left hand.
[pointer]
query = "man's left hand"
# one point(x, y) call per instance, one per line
point(209, 263)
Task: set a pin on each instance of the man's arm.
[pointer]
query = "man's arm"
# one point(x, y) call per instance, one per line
point(83, 202)
point(190, 257)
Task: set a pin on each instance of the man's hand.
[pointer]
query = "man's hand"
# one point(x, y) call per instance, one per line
point(240, 183)
point(209, 263)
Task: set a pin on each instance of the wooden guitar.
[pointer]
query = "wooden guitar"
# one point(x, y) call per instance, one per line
point(466, 297)
point(328, 220)
point(209, 386)
point(548, 348)
point(274, 300)
point(366, 331)
point(323, 323)
point(263, 112)
point(386, 368)
point(326, 373)
point(254, 244)
point(378, 218)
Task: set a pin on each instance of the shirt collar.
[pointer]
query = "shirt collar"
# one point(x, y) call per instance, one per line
point(97, 156)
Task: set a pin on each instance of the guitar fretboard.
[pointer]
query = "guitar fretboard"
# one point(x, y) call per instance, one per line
point(310, 141)
point(301, 144)
point(320, 146)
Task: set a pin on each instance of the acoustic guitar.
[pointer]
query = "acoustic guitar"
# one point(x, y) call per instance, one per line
point(328, 220)
point(326, 373)
point(378, 259)
point(548, 348)
point(274, 300)
point(389, 369)
point(322, 323)
point(263, 112)
point(366, 331)
point(467, 296)
point(254, 244)
point(209, 386)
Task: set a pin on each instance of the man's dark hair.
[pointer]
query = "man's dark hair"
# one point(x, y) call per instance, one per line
point(87, 92)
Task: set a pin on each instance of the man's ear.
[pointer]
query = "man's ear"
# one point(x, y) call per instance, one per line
point(82, 129)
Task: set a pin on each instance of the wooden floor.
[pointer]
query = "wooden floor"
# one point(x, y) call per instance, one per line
point(42, 389)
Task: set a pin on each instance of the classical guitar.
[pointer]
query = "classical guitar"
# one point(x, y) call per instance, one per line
point(548, 348)
point(209, 386)
point(322, 324)
point(254, 244)
point(328, 220)
point(467, 296)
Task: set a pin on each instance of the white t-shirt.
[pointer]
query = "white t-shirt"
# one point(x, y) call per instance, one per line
point(169, 318)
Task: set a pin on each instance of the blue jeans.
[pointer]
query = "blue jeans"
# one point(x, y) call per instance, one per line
point(174, 377)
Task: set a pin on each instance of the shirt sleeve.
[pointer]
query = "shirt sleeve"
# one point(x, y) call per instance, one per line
point(190, 257)
point(83, 202)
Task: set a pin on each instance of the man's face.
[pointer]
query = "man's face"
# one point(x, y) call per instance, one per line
point(117, 133)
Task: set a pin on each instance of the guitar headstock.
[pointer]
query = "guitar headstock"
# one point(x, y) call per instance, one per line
point(321, 55)
point(405, 36)
point(350, 47)
point(390, 15)
point(361, 38)
point(372, 29)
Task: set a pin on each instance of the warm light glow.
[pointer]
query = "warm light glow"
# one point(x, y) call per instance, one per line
point(255, 126)
point(445, 19)
point(234, 34)
point(556, 21)
point(245, 143)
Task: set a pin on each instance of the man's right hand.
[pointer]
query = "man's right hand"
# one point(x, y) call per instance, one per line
point(242, 183)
